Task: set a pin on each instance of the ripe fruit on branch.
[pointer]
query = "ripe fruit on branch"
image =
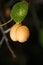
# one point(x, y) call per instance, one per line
point(23, 33)
point(13, 31)
point(19, 33)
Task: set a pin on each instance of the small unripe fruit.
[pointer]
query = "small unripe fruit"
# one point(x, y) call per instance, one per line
point(23, 34)
point(7, 12)
point(13, 31)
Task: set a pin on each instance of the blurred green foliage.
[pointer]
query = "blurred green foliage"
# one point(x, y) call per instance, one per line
point(23, 60)
point(2, 1)
point(41, 36)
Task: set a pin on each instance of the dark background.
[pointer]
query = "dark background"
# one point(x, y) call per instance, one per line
point(31, 50)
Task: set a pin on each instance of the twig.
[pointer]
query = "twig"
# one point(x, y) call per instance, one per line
point(1, 41)
point(11, 51)
point(35, 17)
point(6, 31)
point(5, 23)
point(6, 39)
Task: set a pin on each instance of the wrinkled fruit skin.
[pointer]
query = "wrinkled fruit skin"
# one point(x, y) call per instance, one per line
point(13, 31)
point(23, 34)
point(19, 33)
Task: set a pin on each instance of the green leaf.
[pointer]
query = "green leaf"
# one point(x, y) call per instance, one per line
point(19, 11)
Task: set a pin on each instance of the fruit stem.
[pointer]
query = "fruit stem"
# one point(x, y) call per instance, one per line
point(6, 23)
point(18, 23)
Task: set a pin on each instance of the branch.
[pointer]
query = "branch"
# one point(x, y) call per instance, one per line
point(6, 31)
point(6, 39)
point(5, 23)
point(35, 17)
point(1, 41)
